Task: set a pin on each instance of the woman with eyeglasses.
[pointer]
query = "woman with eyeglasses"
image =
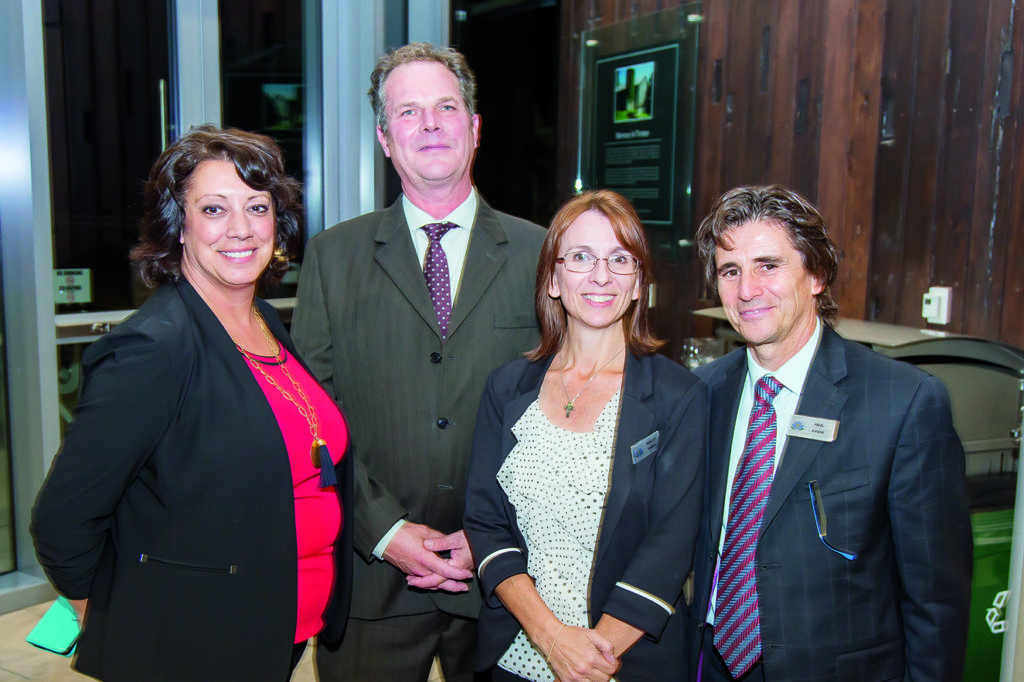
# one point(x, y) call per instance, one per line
point(585, 483)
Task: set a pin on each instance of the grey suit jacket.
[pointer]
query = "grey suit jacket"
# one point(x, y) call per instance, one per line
point(365, 324)
point(893, 491)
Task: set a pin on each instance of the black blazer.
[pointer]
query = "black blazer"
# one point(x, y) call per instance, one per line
point(171, 507)
point(892, 485)
point(647, 535)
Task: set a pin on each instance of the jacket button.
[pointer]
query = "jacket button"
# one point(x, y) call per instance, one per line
point(435, 357)
point(442, 423)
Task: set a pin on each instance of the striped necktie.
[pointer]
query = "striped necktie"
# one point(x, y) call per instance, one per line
point(737, 623)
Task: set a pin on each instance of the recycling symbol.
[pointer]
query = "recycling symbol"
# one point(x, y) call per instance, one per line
point(996, 614)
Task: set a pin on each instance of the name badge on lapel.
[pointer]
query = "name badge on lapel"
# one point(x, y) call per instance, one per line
point(814, 428)
point(644, 447)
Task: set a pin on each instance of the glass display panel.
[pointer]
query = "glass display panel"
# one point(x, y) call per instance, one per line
point(637, 118)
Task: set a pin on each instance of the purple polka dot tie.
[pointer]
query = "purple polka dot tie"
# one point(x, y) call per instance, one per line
point(436, 274)
point(737, 620)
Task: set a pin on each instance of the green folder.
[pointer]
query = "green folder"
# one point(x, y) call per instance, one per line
point(57, 630)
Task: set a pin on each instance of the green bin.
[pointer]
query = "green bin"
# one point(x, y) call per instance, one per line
point(993, 533)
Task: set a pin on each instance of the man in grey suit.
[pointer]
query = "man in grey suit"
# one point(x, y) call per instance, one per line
point(835, 542)
point(402, 313)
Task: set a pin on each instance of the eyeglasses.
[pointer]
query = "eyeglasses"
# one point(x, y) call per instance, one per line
point(581, 261)
point(818, 507)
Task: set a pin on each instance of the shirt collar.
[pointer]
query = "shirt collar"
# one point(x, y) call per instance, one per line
point(464, 215)
point(794, 372)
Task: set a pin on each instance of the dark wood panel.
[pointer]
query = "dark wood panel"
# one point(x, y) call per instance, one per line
point(927, 143)
point(739, 94)
point(807, 109)
point(841, 29)
point(892, 116)
point(963, 105)
point(864, 102)
point(761, 91)
point(784, 81)
point(986, 260)
point(568, 106)
point(891, 177)
point(1012, 213)
point(711, 106)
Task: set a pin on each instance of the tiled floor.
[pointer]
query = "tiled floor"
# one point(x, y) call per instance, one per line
point(21, 661)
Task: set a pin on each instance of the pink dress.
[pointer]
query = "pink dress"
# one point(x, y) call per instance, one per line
point(318, 514)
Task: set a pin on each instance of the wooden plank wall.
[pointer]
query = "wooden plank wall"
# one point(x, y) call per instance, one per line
point(901, 119)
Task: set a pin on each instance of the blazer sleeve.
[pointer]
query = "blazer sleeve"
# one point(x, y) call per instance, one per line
point(489, 527)
point(311, 323)
point(127, 404)
point(646, 594)
point(311, 333)
point(931, 530)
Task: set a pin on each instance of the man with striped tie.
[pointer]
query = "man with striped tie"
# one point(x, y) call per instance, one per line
point(836, 542)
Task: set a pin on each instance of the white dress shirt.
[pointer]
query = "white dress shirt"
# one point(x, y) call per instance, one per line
point(455, 243)
point(792, 376)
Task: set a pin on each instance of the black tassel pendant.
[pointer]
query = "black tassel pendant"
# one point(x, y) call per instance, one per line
point(322, 460)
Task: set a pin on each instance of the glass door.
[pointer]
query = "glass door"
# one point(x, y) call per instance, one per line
point(123, 77)
point(91, 91)
point(107, 83)
point(108, 76)
point(264, 83)
point(7, 550)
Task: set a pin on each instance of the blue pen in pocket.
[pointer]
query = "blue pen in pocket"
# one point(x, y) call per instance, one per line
point(818, 507)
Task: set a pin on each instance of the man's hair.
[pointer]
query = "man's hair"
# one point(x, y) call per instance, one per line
point(259, 164)
point(790, 211)
point(419, 52)
point(630, 233)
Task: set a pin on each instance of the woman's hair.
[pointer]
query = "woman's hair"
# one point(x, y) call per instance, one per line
point(259, 164)
point(630, 233)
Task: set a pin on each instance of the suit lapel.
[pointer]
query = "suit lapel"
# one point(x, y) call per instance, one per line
point(725, 380)
point(484, 258)
point(820, 398)
point(526, 391)
point(635, 422)
point(396, 255)
point(244, 389)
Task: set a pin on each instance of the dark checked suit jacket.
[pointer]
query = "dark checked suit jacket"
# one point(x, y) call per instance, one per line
point(365, 324)
point(892, 485)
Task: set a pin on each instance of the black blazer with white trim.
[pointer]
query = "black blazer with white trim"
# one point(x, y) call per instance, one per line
point(646, 541)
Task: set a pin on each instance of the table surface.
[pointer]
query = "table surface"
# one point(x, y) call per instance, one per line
point(863, 331)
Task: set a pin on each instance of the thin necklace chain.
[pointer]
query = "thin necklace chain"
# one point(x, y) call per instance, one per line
point(308, 412)
point(570, 404)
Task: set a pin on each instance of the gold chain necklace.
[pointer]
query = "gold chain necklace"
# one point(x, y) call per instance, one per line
point(318, 449)
point(571, 404)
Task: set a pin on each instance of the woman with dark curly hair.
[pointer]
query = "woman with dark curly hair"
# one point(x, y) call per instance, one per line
point(196, 514)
